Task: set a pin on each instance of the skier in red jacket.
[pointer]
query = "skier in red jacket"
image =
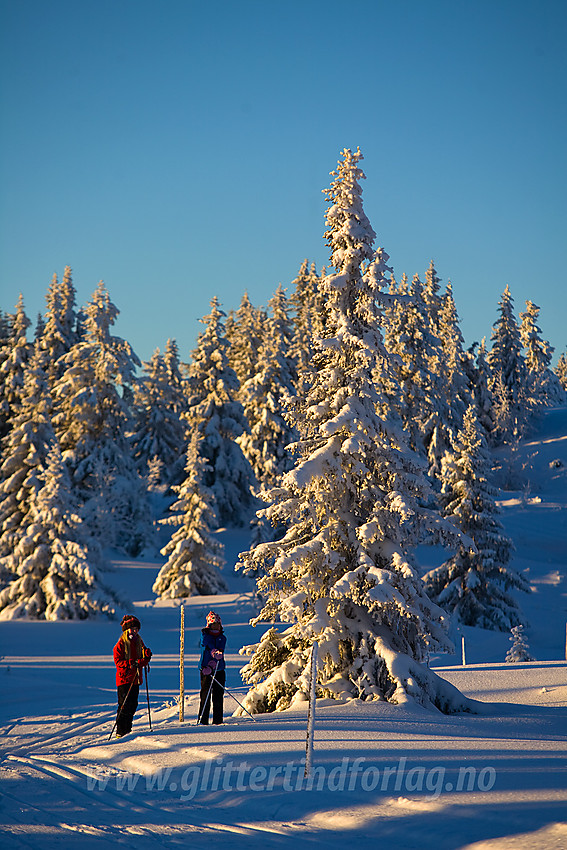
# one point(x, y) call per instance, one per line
point(130, 656)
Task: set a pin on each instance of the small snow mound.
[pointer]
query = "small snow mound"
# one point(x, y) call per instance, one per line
point(149, 742)
point(422, 805)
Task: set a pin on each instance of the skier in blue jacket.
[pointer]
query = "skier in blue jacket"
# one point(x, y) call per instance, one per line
point(213, 641)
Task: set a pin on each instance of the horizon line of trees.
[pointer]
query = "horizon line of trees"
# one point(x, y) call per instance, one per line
point(351, 409)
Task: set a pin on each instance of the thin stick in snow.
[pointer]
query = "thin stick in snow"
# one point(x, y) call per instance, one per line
point(463, 651)
point(311, 712)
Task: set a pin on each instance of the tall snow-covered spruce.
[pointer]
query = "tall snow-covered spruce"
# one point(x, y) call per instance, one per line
point(353, 505)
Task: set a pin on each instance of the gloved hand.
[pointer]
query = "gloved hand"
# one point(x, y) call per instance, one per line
point(206, 671)
point(217, 654)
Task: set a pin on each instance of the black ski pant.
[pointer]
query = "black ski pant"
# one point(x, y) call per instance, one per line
point(127, 705)
point(217, 694)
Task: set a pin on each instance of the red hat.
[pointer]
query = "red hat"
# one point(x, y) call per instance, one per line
point(212, 617)
point(130, 622)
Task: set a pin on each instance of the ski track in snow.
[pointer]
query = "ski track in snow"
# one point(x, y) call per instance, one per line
point(63, 782)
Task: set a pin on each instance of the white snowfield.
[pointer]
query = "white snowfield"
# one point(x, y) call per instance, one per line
point(400, 776)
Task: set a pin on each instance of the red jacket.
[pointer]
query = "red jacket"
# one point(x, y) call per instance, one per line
point(126, 667)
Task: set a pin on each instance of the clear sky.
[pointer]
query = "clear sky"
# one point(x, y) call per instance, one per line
point(178, 150)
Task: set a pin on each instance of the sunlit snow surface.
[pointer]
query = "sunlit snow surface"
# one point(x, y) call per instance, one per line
point(405, 777)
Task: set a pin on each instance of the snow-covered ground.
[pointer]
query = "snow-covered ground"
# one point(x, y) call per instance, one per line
point(406, 777)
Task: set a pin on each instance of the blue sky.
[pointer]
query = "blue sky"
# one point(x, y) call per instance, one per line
point(178, 150)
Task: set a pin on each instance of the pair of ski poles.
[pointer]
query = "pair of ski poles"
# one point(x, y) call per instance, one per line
point(126, 699)
point(213, 678)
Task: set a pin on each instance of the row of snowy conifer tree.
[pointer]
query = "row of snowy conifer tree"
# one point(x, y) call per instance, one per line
point(390, 422)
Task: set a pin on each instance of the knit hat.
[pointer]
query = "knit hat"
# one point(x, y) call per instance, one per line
point(213, 618)
point(130, 622)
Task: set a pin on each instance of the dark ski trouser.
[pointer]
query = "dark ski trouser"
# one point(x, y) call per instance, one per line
point(129, 706)
point(217, 697)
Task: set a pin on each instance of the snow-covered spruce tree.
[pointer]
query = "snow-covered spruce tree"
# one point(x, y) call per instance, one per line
point(17, 353)
point(178, 401)
point(508, 372)
point(309, 321)
point(454, 378)
point(478, 373)
point(519, 651)
point(434, 302)
point(244, 331)
point(265, 397)
point(352, 506)
point(542, 385)
point(159, 432)
point(214, 412)
point(54, 573)
point(451, 386)
point(173, 371)
point(24, 453)
point(561, 370)
point(59, 333)
point(39, 328)
point(92, 418)
point(195, 554)
point(408, 336)
point(474, 585)
point(6, 324)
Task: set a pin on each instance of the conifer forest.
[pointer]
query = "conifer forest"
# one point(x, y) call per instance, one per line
point(346, 422)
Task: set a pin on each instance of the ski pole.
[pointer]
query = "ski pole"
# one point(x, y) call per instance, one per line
point(238, 701)
point(148, 696)
point(201, 709)
point(123, 704)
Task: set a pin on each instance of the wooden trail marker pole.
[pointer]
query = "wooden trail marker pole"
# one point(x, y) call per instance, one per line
point(311, 712)
point(182, 666)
